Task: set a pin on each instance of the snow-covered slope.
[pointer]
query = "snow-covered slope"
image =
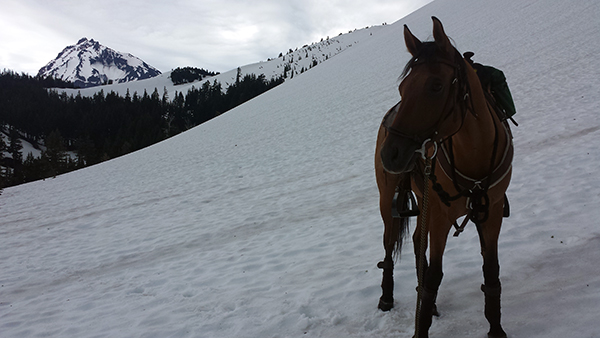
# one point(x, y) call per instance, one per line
point(88, 64)
point(264, 221)
point(293, 63)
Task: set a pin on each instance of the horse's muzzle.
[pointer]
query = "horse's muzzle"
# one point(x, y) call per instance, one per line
point(398, 155)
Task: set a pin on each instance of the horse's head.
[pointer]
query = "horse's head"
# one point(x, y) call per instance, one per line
point(431, 89)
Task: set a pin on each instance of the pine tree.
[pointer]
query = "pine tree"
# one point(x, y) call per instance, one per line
point(165, 97)
point(2, 149)
point(55, 153)
point(32, 168)
point(14, 148)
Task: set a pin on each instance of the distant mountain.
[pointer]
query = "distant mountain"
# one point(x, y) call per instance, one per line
point(289, 64)
point(89, 64)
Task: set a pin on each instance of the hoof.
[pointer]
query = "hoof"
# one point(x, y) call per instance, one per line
point(384, 305)
point(498, 334)
point(434, 311)
point(425, 336)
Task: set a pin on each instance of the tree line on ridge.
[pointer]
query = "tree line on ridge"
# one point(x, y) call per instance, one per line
point(76, 131)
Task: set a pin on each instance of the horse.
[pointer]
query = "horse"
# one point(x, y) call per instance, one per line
point(445, 119)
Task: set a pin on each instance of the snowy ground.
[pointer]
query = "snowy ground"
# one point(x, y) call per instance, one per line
point(264, 221)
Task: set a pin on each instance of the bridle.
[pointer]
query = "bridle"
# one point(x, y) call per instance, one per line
point(458, 99)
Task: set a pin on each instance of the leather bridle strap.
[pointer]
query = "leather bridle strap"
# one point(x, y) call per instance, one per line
point(432, 132)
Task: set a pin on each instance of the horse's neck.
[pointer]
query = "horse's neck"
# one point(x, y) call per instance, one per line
point(473, 145)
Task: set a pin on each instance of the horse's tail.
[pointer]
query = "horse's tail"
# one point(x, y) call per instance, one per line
point(406, 207)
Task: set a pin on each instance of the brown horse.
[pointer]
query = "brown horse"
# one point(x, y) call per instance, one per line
point(445, 120)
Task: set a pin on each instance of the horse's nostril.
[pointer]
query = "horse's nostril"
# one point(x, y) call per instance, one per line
point(394, 154)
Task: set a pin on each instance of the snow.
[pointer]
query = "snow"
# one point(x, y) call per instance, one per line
point(320, 51)
point(133, 61)
point(111, 71)
point(264, 221)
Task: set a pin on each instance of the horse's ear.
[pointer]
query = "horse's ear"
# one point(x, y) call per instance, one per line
point(440, 37)
point(412, 43)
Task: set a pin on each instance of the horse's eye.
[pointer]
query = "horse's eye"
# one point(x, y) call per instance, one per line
point(437, 87)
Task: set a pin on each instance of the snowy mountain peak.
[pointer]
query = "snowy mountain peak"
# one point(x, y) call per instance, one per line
point(88, 64)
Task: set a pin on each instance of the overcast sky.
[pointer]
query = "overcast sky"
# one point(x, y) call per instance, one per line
point(218, 35)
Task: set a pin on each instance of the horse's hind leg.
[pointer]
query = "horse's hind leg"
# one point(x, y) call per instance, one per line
point(488, 234)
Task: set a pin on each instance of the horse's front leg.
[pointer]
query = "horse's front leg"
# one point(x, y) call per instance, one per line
point(392, 241)
point(488, 234)
point(394, 231)
point(433, 274)
point(386, 301)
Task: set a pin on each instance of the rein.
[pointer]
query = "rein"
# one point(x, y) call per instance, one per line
point(428, 173)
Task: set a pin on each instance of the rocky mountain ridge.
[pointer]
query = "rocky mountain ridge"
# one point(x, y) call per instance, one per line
point(89, 64)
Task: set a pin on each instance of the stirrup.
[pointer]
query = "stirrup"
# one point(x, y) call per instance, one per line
point(404, 204)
